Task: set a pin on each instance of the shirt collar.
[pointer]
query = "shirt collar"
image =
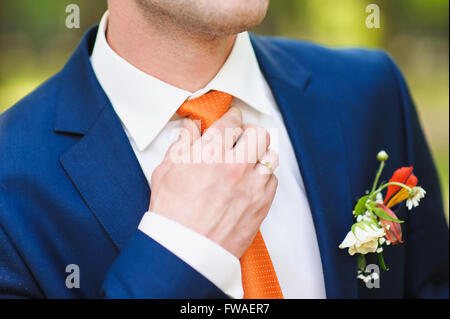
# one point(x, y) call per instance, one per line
point(145, 104)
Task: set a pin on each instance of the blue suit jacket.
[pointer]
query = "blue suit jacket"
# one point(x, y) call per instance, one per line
point(72, 191)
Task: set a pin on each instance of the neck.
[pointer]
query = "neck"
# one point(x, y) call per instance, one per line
point(184, 60)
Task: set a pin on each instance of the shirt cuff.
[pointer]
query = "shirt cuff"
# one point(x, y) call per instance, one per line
point(210, 259)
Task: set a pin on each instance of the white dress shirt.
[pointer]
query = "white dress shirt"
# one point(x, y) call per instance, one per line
point(146, 107)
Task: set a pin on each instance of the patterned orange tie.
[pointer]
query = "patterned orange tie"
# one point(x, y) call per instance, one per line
point(258, 275)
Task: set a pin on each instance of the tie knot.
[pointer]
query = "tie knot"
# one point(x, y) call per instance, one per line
point(207, 108)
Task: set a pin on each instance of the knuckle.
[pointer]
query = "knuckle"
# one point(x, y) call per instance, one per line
point(235, 116)
point(249, 127)
point(238, 113)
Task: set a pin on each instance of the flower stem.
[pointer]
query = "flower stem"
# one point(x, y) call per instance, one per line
point(381, 261)
point(374, 193)
point(377, 177)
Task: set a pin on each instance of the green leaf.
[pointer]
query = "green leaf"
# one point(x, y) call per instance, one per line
point(381, 261)
point(382, 214)
point(361, 262)
point(360, 207)
point(370, 205)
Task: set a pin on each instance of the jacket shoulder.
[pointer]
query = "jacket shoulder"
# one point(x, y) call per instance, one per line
point(364, 83)
point(344, 66)
point(29, 112)
point(27, 127)
point(315, 56)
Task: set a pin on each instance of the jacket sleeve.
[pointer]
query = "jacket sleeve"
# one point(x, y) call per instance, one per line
point(145, 269)
point(427, 255)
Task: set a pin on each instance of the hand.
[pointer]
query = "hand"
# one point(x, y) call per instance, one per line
point(223, 200)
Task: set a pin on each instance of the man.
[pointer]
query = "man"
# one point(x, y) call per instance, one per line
point(89, 180)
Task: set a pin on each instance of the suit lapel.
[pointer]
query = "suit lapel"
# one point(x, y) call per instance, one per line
point(313, 125)
point(103, 168)
point(101, 165)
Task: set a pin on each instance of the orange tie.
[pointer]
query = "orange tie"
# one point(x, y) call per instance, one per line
point(258, 275)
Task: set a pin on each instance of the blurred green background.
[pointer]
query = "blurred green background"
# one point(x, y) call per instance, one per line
point(34, 44)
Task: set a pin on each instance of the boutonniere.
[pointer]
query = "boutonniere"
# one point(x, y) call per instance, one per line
point(376, 223)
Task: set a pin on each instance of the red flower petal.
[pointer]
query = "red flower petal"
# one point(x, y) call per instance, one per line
point(396, 194)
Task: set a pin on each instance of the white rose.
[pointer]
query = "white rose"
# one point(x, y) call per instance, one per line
point(364, 240)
